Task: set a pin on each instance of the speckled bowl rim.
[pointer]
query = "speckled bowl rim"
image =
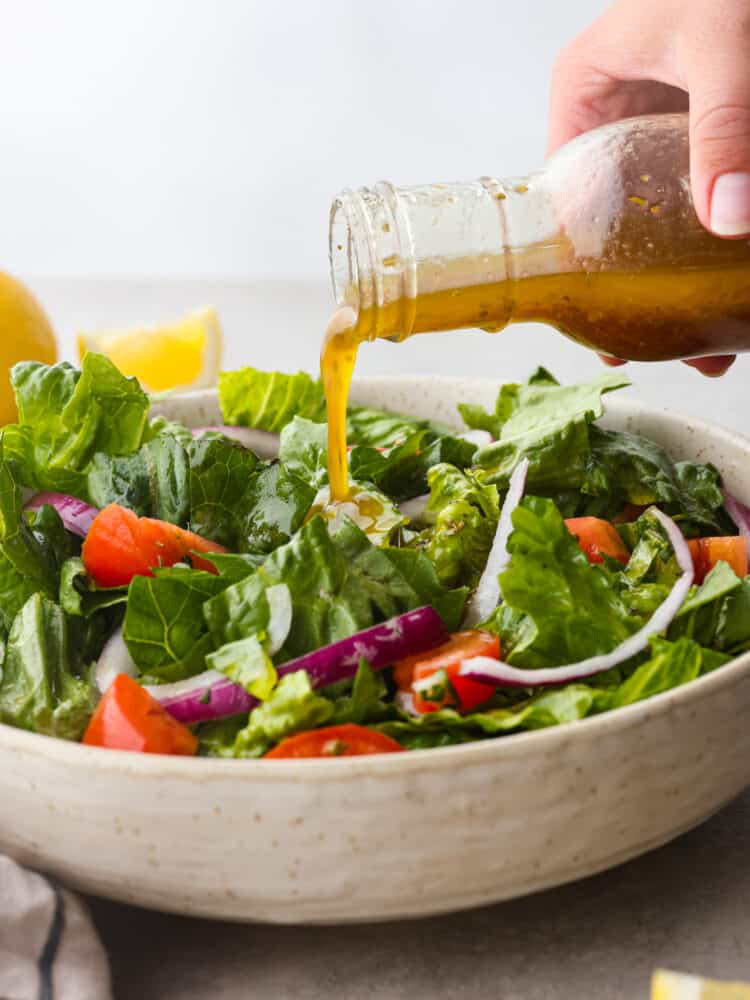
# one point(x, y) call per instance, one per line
point(202, 769)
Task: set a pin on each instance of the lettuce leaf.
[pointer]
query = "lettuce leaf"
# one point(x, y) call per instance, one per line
point(221, 488)
point(29, 560)
point(164, 619)
point(277, 502)
point(466, 512)
point(152, 481)
point(338, 585)
point(292, 707)
point(627, 468)
point(402, 472)
point(546, 423)
point(717, 614)
point(247, 664)
point(303, 450)
point(365, 702)
point(269, 400)
point(366, 425)
point(72, 414)
point(80, 596)
point(38, 690)
point(558, 607)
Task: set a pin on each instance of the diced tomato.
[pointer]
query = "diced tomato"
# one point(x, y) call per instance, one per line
point(129, 718)
point(630, 512)
point(707, 552)
point(347, 740)
point(121, 545)
point(598, 538)
point(442, 665)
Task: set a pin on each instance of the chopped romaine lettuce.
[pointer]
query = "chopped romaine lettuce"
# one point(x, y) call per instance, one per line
point(38, 691)
point(152, 481)
point(547, 424)
point(466, 513)
point(247, 664)
point(164, 617)
point(558, 608)
point(71, 415)
point(339, 585)
point(222, 474)
point(269, 400)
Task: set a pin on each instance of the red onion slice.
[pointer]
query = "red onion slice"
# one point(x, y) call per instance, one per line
point(487, 596)
point(211, 695)
point(203, 698)
point(740, 514)
point(265, 444)
point(381, 645)
point(489, 671)
point(76, 515)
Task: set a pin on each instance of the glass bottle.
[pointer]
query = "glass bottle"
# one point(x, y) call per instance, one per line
point(603, 243)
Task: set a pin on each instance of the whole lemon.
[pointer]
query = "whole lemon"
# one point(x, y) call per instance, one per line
point(25, 335)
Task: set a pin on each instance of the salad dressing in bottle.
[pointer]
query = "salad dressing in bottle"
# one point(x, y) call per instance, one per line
point(603, 243)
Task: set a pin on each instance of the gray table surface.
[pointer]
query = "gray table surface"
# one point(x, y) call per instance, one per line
point(686, 906)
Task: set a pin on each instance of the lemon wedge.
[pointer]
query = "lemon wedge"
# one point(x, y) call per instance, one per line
point(183, 355)
point(25, 335)
point(679, 986)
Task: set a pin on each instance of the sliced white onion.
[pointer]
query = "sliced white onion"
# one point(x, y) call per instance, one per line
point(478, 437)
point(115, 659)
point(487, 596)
point(280, 621)
point(416, 509)
point(265, 444)
point(489, 671)
point(405, 701)
point(740, 514)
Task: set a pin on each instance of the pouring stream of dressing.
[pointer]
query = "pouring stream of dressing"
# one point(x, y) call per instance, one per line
point(337, 359)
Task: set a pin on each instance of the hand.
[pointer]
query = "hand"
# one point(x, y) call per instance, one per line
point(646, 56)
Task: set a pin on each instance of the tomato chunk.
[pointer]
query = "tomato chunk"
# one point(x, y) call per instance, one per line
point(121, 545)
point(598, 538)
point(433, 676)
point(347, 740)
point(707, 552)
point(129, 718)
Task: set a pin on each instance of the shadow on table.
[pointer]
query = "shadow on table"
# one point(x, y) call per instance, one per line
point(685, 906)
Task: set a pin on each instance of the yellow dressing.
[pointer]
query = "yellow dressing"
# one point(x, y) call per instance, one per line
point(645, 315)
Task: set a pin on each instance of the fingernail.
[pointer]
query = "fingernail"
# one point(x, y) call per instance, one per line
point(730, 205)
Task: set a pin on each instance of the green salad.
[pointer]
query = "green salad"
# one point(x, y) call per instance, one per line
point(183, 591)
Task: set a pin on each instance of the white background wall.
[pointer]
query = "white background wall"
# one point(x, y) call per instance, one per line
point(207, 137)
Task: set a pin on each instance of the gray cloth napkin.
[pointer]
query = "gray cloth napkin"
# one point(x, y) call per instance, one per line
point(49, 949)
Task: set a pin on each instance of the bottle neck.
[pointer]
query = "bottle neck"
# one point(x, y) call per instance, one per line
point(436, 257)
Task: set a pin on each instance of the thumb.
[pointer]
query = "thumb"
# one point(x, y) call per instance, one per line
point(720, 142)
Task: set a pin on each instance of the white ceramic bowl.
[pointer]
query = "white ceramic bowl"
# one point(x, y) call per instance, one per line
point(374, 838)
